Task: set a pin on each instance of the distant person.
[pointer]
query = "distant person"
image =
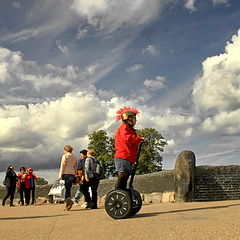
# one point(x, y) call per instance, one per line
point(126, 145)
point(90, 180)
point(80, 169)
point(67, 172)
point(32, 178)
point(24, 186)
point(10, 183)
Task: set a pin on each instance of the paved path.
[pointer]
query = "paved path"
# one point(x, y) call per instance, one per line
point(197, 220)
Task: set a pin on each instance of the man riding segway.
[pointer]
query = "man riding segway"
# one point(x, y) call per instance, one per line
point(123, 202)
point(126, 145)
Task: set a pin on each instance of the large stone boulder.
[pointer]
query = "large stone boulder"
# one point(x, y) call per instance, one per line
point(184, 176)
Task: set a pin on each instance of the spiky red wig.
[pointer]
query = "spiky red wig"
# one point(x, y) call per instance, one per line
point(125, 109)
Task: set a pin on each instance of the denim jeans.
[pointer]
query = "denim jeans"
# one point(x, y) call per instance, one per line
point(77, 195)
point(123, 165)
point(32, 193)
point(68, 185)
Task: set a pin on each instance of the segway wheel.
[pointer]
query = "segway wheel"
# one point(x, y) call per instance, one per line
point(137, 202)
point(118, 204)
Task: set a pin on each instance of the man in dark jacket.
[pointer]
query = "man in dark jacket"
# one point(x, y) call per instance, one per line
point(10, 183)
point(80, 169)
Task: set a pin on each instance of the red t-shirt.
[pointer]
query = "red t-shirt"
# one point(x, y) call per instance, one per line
point(126, 143)
point(22, 179)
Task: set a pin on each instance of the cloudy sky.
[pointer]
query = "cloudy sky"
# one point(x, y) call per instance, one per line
point(67, 66)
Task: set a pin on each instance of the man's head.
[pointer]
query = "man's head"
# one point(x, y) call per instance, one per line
point(22, 170)
point(68, 148)
point(128, 115)
point(10, 167)
point(91, 153)
point(83, 153)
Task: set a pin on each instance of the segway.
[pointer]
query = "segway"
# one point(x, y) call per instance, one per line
point(124, 203)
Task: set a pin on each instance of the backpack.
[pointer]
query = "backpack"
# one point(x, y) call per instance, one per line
point(98, 170)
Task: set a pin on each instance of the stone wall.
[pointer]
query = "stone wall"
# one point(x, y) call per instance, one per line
point(217, 183)
point(148, 183)
point(210, 183)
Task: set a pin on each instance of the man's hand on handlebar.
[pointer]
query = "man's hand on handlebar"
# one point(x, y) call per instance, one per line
point(143, 140)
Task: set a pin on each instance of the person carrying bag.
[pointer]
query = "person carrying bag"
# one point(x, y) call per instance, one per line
point(67, 172)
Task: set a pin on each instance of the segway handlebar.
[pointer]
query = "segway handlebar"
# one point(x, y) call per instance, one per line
point(135, 165)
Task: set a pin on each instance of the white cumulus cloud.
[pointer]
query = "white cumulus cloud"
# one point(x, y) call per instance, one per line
point(219, 86)
point(112, 14)
point(220, 1)
point(82, 33)
point(134, 68)
point(165, 120)
point(26, 80)
point(155, 84)
point(188, 132)
point(151, 50)
point(189, 4)
point(223, 122)
point(62, 47)
point(16, 5)
point(36, 133)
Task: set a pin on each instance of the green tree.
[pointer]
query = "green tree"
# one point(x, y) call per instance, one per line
point(150, 159)
point(41, 181)
point(104, 147)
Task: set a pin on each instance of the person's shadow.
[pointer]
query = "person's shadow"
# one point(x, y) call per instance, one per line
point(30, 217)
point(141, 215)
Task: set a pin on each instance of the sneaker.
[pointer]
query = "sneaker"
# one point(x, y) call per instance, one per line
point(94, 207)
point(12, 205)
point(69, 205)
point(85, 205)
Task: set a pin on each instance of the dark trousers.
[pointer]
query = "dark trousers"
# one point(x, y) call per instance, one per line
point(122, 181)
point(24, 192)
point(93, 184)
point(69, 178)
point(10, 193)
point(32, 194)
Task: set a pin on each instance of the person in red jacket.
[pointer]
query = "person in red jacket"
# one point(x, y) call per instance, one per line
point(126, 145)
point(23, 186)
point(32, 178)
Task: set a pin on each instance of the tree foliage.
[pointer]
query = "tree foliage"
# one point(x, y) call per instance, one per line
point(41, 181)
point(150, 159)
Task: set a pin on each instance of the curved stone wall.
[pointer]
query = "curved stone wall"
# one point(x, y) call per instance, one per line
point(148, 183)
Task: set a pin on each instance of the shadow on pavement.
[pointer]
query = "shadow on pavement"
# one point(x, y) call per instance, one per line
point(182, 210)
point(32, 217)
